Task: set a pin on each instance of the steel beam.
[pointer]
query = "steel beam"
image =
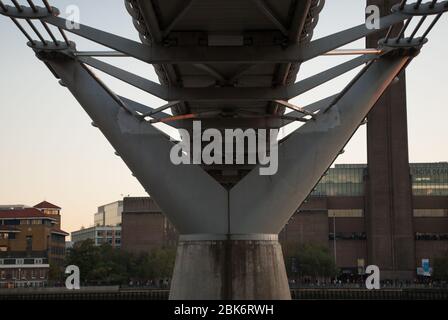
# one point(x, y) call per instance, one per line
point(178, 17)
point(227, 93)
point(139, 82)
point(157, 54)
point(263, 6)
point(141, 108)
point(313, 107)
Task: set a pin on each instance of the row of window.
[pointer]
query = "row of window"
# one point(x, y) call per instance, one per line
point(23, 274)
point(359, 213)
point(430, 212)
point(16, 222)
point(363, 236)
point(345, 213)
point(348, 236)
point(116, 241)
point(7, 235)
point(431, 236)
point(341, 181)
point(23, 261)
point(348, 180)
point(108, 233)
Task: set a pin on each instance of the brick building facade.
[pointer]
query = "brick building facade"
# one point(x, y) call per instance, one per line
point(31, 240)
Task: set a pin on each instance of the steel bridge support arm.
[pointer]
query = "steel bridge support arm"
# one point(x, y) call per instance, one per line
point(192, 200)
point(264, 204)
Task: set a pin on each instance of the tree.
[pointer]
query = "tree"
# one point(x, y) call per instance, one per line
point(163, 262)
point(310, 260)
point(86, 256)
point(107, 265)
point(441, 268)
point(55, 273)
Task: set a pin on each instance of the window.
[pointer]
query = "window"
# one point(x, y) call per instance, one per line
point(42, 274)
point(11, 222)
point(352, 213)
point(430, 178)
point(4, 236)
point(348, 236)
point(20, 261)
point(57, 238)
point(431, 236)
point(342, 180)
point(2, 275)
point(100, 233)
point(29, 243)
point(38, 261)
point(430, 212)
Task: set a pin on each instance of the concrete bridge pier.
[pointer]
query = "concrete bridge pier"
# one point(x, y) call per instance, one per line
point(249, 267)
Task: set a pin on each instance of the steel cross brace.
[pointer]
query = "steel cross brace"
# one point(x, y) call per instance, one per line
point(157, 54)
point(227, 93)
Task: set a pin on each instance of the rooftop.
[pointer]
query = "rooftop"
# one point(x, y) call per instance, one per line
point(46, 205)
point(23, 213)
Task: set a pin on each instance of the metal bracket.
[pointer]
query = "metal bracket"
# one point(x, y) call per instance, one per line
point(28, 12)
point(402, 43)
point(424, 9)
point(52, 46)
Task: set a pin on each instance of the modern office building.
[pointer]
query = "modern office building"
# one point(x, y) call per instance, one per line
point(106, 229)
point(109, 214)
point(31, 240)
point(99, 234)
point(337, 215)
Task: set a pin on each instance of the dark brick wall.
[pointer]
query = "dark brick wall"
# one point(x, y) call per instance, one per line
point(389, 209)
point(144, 227)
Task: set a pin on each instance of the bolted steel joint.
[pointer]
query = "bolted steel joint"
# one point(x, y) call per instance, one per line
point(423, 9)
point(52, 46)
point(28, 12)
point(51, 51)
point(394, 43)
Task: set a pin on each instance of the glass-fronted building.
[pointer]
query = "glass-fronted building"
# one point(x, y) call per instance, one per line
point(428, 179)
point(342, 180)
point(109, 214)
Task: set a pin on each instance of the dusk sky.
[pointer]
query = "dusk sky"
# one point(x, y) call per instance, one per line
point(49, 150)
